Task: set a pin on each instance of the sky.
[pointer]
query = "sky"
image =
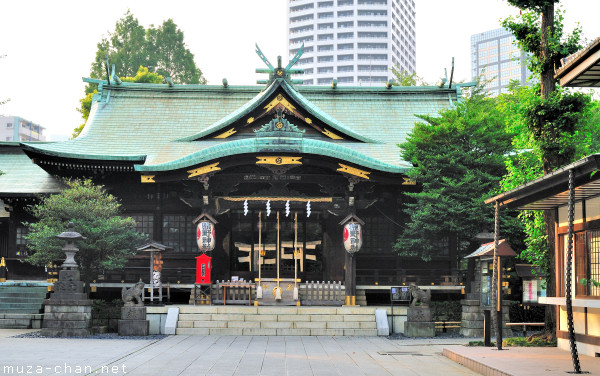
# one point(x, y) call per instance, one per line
point(50, 45)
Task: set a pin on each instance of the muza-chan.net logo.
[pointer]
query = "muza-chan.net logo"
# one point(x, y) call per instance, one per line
point(64, 369)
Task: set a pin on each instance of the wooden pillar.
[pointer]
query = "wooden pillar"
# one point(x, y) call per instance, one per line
point(350, 278)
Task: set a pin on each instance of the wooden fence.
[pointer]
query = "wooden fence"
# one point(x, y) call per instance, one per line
point(323, 293)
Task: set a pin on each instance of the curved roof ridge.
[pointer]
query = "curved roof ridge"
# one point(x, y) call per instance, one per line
point(324, 117)
point(249, 146)
point(233, 116)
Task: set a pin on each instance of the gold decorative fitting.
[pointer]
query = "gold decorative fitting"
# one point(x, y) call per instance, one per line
point(308, 120)
point(227, 134)
point(279, 160)
point(250, 120)
point(204, 170)
point(408, 181)
point(279, 73)
point(331, 135)
point(353, 171)
point(275, 290)
point(279, 125)
point(280, 99)
point(148, 178)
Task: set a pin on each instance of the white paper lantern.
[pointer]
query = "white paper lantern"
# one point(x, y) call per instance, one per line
point(352, 237)
point(205, 236)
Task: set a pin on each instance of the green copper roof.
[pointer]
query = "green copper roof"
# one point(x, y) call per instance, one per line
point(357, 153)
point(21, 176)
point(157, 126)
point(260, 100)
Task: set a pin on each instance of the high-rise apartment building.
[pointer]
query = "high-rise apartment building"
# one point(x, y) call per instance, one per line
point(353, 41)
point(14, 128)
point(496, 54)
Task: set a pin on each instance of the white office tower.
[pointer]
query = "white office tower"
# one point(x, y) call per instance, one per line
point(353, 41)
point(495, 55)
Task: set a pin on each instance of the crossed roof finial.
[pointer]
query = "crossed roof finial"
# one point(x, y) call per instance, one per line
point(279, 72)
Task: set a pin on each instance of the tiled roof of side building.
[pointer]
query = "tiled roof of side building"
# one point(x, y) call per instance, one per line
point(20, 176)
point(155, 125)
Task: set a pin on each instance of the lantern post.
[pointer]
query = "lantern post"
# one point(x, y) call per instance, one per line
point(205, 238)
point(353, 238)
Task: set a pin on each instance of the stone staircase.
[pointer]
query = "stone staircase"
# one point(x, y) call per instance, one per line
point(21, 304)
point(277, 321)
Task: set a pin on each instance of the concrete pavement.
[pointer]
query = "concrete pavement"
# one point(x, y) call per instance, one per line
point(228, 355)
point(520, 361)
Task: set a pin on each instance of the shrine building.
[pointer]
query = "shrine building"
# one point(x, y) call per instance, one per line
point(278, 167)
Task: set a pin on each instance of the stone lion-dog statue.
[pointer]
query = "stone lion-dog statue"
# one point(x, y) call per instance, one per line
point(133, 296)
point(423, 297)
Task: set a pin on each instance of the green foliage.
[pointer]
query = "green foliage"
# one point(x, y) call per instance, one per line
point(169, 56)
point(130, 46)
point(459, 160)
point(111, 239)
point(161, 49)
point(527, 28)
point(528, 342)
point(144, 76)
point(448, 310)
point(106, 313)
point(536, 5)
point(403, 78)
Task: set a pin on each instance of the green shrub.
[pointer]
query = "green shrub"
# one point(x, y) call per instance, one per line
point(528, 342)
point(106, 313)
point(446, 310)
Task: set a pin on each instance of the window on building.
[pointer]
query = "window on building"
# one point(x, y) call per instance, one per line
point(144, 224)
point(21, 242)
point(504, 48)
point(324, 81)
point(345, 24)
point(307, 82)
point(307, 38)
point(370, 12)
point(300, 8)
point(179, 233)
point(345, 57)
point(482, 53)
point(9, 125)
point(325, 15)
point(325, 4)
point(326, 47)
point(505, 65)
point(372, 68)
point(372, 34)
point(374, 46)
point(345, 80)
point(325, 70)
point(325, 26)
point(492, 68)
point(516, 71)
point(504, 56)
point(301, 29)
point(505, 73)
point(345, 46)
point(346, 13)
point(325, 59)
point(372, 2)
point(372, 57)
point(301, 18)
point(493, 59)
point(306, 60)
point(325, 37)
point(372, 23)
point(308, 71)
point(349, 35)
point(345, 68)
point(345, 2)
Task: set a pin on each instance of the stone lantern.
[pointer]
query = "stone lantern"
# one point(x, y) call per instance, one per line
point(68, 312)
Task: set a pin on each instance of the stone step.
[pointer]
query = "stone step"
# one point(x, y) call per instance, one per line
point(4, 305)
point(24, 294)
point(230, 320)
point(20, 299)
point(19, 311)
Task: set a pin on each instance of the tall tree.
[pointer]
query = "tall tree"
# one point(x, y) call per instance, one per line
point(458, 159)
point(126, 48)
point(552, 117)
point(403, 78)
point(111, 239)
point(168, 55)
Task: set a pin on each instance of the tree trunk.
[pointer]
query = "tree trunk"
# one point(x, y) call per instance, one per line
point(547, 82)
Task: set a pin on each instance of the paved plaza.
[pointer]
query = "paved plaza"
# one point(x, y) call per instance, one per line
point(227, 355)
